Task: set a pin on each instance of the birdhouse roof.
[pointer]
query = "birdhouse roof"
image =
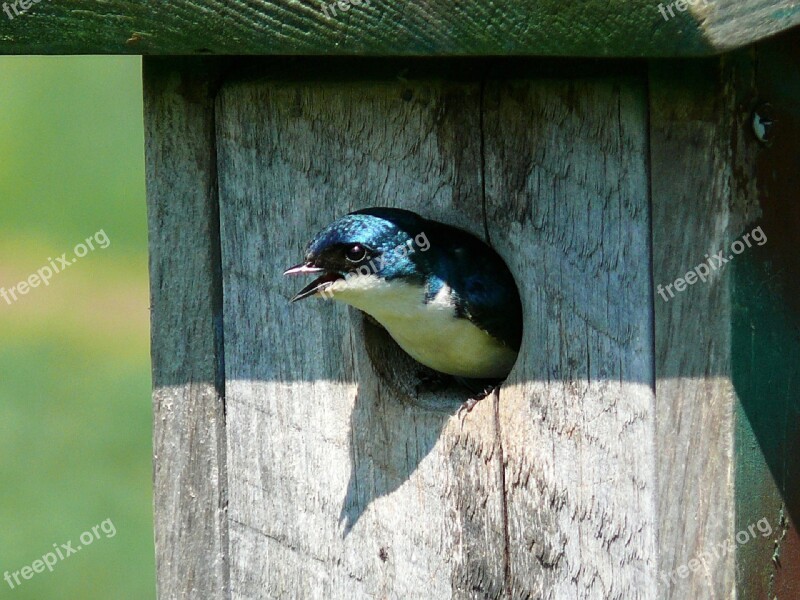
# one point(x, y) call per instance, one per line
point(592, 28)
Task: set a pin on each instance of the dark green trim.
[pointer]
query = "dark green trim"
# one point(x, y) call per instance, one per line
point(385, 27)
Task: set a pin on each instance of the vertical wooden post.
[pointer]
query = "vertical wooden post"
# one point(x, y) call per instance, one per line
point(766, 327)
point(191, 522)
point(567, 204)
point(691, 122)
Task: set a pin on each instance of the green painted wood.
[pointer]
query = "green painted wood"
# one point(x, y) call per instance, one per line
point(766, 337)
point(385, 27)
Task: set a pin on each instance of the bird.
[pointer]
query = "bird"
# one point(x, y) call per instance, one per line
point(444, 295)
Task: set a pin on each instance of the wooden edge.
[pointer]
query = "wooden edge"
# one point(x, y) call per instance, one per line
point(691, 177)
point(635, 28)
point(190, 474)
point(766, 328)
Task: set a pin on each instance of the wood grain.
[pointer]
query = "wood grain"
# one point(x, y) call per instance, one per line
point(338, 483)
point(314, 464)
point(342, 486)
point(191, 526)
point(631, 28)
point(567, 205)
point(696, 213)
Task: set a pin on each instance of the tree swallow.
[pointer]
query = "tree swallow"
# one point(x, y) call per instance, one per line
point(444, 296)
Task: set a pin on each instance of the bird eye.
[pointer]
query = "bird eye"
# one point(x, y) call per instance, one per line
point(356, 253)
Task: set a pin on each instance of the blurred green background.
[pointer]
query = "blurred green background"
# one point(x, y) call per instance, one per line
point(75, 415)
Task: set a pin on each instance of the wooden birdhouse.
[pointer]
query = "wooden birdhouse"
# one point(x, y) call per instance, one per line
point(636, 166)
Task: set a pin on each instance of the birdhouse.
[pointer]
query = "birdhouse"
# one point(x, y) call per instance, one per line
point(635, 166)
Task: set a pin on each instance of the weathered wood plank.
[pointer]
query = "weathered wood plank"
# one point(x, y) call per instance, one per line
point(339, 481)
point(567, 205)
point(691, 189)
point(191, 527)
point(382, 27)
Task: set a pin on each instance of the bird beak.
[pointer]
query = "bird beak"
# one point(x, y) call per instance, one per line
point(316, 286)
point(304, 269)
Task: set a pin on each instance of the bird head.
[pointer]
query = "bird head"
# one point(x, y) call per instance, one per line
point(358, 252)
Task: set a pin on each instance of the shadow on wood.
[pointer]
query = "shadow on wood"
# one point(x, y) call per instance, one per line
point(607, 462)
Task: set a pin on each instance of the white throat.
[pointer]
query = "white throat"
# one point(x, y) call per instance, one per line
point(430, 332)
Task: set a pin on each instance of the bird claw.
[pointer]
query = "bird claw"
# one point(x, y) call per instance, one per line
point(471, 403)
point(467, 407)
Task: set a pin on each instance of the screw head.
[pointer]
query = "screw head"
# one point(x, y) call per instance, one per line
point(764, 123)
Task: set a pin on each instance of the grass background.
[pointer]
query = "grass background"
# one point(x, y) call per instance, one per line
point(75, 414)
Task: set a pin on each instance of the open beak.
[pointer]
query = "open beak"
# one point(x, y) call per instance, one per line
point(315, 287)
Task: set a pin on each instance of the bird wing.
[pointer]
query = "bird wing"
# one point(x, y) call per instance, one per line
point(482, 287)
